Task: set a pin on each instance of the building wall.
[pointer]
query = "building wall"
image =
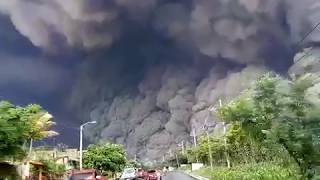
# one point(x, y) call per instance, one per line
point(54, 154)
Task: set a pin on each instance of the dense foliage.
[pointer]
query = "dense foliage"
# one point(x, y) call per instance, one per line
point(263, 171)
point(105, 157)
point(273, 132)
point(276, 113)
point(52, 167)
point(20, 124)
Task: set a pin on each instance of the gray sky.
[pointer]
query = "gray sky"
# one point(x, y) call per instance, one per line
point(142, 61)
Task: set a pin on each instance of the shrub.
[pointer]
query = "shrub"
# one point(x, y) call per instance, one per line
point(259, 171)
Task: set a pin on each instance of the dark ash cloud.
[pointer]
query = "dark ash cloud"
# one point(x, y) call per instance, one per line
point(31, 73)
point(154, 67)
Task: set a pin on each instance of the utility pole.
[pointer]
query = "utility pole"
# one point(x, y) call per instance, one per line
point(170, 154)
point(194, 137)
point(210, 109)
point(80, 148)
point(225, 144)
point(177, 160)
point(183, 150)
point(225, 139)
point(195, 142)
point(206, 127)
point(182, 146)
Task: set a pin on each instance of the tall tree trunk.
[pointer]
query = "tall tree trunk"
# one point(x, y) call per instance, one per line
point(30, 147)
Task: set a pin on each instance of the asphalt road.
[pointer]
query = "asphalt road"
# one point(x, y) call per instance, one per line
point(177, 176)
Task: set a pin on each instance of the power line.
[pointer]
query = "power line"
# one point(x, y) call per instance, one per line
point(308, 34)
point(308, 52)
point(304, 38)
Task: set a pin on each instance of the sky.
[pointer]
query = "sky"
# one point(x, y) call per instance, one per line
point(146, 70)
point(27, 76)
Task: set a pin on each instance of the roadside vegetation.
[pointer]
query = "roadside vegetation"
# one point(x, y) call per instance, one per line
point(273, 133)
point(252, 171)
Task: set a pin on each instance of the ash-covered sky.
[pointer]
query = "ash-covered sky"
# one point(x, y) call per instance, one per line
point(27, 75)
point(145, 69)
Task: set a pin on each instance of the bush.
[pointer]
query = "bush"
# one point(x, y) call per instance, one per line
point(259, 171)
point(52, 167)
point(51, 170)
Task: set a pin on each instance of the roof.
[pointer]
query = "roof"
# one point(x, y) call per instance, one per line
point(83, 171)
point(36, 163)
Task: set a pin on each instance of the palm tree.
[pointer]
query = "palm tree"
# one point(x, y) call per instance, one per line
point(41, 124)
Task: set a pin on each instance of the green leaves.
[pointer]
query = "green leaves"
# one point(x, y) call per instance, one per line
point(278, 110)
point(52, 167)
point(18, 125)
point(105, 157)
point(261, 171)
point(12, 130)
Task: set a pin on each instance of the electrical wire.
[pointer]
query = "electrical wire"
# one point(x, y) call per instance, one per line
point(308, 34)
point(304, 38)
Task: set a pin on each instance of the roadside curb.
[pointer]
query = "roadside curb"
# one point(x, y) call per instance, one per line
point(195, 176)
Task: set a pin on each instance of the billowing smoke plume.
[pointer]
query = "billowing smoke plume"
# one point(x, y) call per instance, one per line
point(239, 30)
point(155, 66)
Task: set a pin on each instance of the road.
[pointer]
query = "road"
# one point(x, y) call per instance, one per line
point(177, 176)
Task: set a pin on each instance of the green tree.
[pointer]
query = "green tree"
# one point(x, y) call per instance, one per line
point(276, 111)
point(297, 126)
point(182, 157)
point(239, 146)
point(52, 167)
point(192, 154)
point(40, 122)
point(105, 157)
point(13, 131)
point(18, 125)
point(201, 152)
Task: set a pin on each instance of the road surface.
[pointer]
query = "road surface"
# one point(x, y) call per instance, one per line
point(177, 176)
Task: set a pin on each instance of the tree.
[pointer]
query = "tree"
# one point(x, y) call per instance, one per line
point(133, 163)
point(201, 152)
point(105, 157)
point(277, 111)
point(52, 167)
point(13, 131)
point(296, 127)
point(19, 124)
point(239, 147)
point(182, 157)
point(40, 122)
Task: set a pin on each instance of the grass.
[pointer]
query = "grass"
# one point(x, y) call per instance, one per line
point(254, 171)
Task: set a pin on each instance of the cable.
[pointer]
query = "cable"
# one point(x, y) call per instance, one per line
point(306, 54)
point(308, 34)
point(304, 38)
